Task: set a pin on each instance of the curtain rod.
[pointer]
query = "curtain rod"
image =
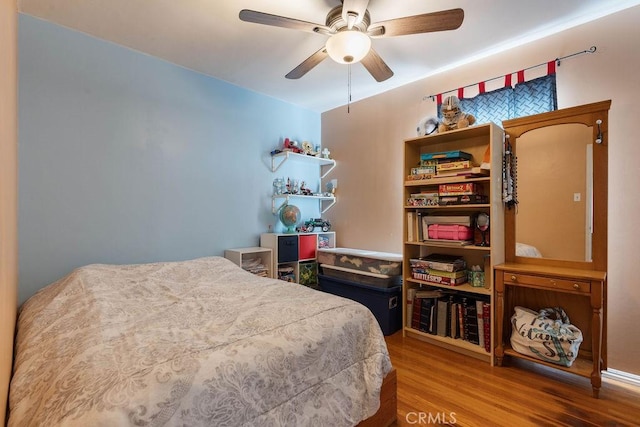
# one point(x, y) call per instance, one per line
point(592, 49)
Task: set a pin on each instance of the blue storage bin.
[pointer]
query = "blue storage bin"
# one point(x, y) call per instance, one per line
point(384, 303)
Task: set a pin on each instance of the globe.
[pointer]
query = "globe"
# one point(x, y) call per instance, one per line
point(289, 216)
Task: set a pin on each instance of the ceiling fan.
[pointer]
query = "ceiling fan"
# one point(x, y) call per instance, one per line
point(350, 29)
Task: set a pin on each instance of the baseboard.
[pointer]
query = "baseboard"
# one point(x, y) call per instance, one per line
point(623, 377)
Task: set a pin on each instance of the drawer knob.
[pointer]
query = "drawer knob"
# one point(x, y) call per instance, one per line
point(576, 286)
point(514, 278)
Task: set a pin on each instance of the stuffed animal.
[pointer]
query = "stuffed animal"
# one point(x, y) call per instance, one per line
point(452, 115)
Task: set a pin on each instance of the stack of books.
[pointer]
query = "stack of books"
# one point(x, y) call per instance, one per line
point(460, 194)
point(453, 164)
point(424, 199)
point(440, 269)
point(255, 266)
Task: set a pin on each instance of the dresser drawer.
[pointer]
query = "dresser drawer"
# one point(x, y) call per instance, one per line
point(547, 282)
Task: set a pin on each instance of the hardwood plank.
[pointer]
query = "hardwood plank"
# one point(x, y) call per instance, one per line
point(440, 387)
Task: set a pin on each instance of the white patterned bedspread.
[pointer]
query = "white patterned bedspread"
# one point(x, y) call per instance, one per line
point(194, 343)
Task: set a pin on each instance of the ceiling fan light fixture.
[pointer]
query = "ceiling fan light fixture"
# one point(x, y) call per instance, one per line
point(348, 46)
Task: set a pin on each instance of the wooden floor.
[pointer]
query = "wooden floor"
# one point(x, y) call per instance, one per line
point(440, 387)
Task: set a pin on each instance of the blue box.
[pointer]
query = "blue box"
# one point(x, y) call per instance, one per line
point(384, 303)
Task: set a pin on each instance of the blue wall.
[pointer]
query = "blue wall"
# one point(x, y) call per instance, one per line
point(125, 158)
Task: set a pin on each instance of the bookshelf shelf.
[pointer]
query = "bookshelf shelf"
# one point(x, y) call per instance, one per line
point(452, 207)
point(448, 180)
point(479, 142)
point(458, 345)
point(451, 246)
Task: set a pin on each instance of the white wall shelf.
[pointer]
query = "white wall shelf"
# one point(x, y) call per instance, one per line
point(326, 202)
point(326, 165)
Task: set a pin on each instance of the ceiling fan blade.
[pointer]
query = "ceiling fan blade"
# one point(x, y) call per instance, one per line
point(417, 24)
point(281, 21)
point(308, 64)
point(353, 11)
point(376, 66)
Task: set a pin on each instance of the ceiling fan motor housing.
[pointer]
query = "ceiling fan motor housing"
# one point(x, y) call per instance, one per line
point(336, 23)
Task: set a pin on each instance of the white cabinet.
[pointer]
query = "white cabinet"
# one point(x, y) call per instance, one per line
point(295, 255)
point(252, 258)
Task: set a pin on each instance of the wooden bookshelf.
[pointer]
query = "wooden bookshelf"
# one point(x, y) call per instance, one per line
point(476, 141)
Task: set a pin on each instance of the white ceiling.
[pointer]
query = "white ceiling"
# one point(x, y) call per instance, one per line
point(207, 36)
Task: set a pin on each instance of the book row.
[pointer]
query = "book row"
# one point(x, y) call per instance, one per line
point(446, 164)
point(456, 316)
point(450, 194)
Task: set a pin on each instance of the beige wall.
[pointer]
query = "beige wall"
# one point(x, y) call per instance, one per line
point(8, 193)
point(367, 144)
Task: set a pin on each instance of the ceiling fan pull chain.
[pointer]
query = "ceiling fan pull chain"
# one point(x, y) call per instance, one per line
point(348, 88)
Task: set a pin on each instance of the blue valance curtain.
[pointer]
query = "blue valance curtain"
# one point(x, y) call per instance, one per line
point(525, 98)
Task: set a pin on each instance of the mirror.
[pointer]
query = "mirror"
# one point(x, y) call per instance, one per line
point(555, 192)
point(561, 215)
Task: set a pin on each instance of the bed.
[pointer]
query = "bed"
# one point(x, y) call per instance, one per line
point(199, 342)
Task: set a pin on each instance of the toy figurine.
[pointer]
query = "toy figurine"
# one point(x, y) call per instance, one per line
point(304, 190)
point(292, 146)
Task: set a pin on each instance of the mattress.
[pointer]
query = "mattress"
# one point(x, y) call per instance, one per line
point(196, 343)
point(386, 263)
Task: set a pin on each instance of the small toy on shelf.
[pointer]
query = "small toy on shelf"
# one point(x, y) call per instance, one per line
point(331, 187)
point(452, 116)
point(292, 186)
point(309, 226)
point(304, 190)
point(278, 186)
point(326, 153)
point(290, 145)
point(323, 242)
point(307, 148)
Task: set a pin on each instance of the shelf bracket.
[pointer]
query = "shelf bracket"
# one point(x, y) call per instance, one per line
point(275, 210)
point(332, 166)
point(333, 202)
point(274, 166)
